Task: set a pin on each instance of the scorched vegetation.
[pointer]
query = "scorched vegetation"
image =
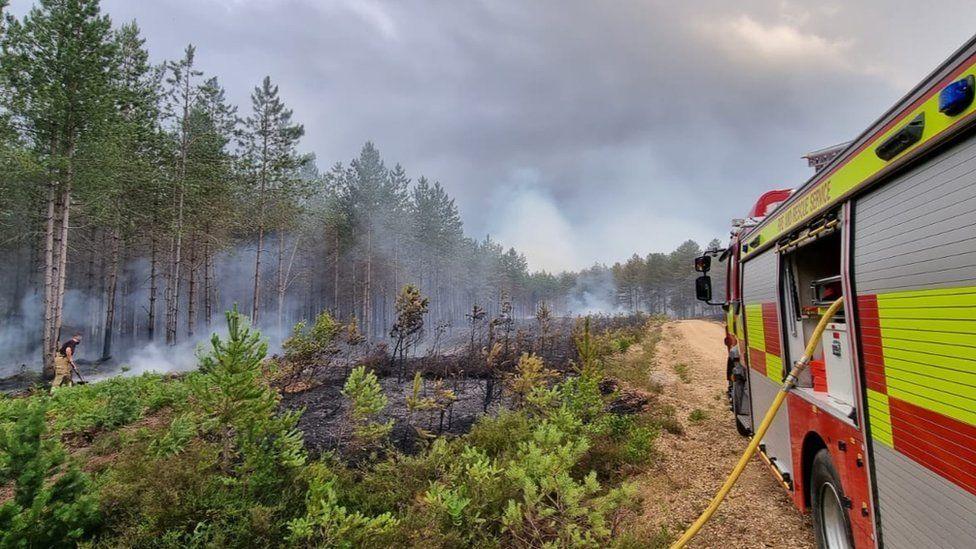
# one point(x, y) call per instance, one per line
point(221, 456)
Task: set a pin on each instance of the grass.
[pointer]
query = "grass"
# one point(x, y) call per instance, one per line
point(697, 415)
point(666, 418)
point(633, 368)
point(681, 369)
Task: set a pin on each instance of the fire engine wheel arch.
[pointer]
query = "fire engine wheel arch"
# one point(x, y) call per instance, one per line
point(831, 523)
point(812, 445)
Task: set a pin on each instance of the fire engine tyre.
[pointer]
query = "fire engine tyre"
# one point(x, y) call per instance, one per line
point(831, 525)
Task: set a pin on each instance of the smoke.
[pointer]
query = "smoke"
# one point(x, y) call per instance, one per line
point(593, 293)
point(131, 352)
point(530, 221)
point(18, 339)
point(158, 358)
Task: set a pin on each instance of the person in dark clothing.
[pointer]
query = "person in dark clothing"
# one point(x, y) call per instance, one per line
point(64, 363)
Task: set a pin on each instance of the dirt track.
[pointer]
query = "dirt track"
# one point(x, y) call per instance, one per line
point(758, 512)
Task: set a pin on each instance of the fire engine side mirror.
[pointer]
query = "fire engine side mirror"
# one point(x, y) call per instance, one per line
point(703, 263)
point(703, 288)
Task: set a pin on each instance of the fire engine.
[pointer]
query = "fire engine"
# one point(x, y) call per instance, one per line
point(877, 438)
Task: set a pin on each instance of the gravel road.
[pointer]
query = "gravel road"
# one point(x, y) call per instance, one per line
point(692, 466)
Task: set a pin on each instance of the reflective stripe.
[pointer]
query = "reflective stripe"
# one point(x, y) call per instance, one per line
point(880, 413)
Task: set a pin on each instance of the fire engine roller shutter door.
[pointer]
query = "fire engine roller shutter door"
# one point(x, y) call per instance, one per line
point(915, 275)
point(764, 354)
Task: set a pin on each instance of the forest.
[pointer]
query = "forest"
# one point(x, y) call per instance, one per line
point(294, 357)
point(136, 204)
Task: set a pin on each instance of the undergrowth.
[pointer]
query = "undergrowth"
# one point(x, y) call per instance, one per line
point(209, 460)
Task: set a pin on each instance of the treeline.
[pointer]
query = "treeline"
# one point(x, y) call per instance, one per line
point(662, 283)
point(136, 203)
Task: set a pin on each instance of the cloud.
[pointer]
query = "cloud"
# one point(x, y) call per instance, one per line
point(641, 122)
point(748, 39)
point(373, 13)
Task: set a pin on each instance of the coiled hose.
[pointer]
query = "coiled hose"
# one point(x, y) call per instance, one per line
point(763, 427)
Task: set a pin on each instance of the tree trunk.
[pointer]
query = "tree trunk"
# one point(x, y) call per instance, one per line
point(113, 277)
point(256, 297)
point(207, 284)
point(48, 343)
point(90, 286)
point(255, 307)
point(335, 278)
point(176, 251)
point(367, 306)
point(173, 281)
point(280, 279)
point(153, 286)
point(191, 287)
point(62, 257)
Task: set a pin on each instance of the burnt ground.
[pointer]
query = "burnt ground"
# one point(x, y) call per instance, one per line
point(316, 389)
point(325, 425)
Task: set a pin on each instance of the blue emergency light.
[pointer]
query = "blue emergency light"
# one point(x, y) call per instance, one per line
point(954, 98)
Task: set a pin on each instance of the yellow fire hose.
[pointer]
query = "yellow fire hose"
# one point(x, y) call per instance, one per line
point(763, 427)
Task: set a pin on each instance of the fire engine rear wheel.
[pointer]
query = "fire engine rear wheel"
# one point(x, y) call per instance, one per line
point(831, 524)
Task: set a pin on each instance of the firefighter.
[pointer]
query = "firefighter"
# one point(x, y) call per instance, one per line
point(64, 363)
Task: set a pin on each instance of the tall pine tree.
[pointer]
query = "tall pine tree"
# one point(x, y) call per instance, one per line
point(55, 70)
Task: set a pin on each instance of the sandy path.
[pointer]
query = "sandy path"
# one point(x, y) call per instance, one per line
point(758, 512)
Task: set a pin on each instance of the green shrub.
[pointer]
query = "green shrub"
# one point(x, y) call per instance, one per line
point(697, 415)
point(306, 344)
point(226, 472)
point(366, 402)
point(328, 524)
point(179, 433)
point(530, 374)
point(581, 396)
point(51, 504)
point(495, 435)
point(552, 505)
point(113, 403)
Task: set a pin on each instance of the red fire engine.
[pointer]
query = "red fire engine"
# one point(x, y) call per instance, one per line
point(878, 437)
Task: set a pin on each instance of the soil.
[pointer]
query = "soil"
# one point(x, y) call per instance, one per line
point(693, 465)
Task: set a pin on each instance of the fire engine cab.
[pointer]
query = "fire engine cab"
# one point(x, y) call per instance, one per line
point(878, 437)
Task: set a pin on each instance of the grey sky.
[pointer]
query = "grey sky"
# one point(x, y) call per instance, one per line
point(575, 131)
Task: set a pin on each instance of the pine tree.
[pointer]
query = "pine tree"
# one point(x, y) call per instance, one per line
point(116, 167)
point(52, 505)
point(269, 142)
point(213, 200)
point(367, 401)
point(54, 69)
point(181, 96)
